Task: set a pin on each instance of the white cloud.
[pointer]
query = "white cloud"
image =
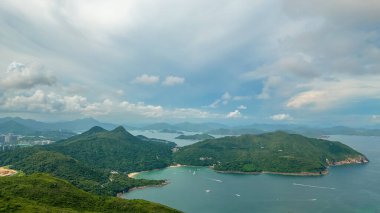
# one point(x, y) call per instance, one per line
point(320, 95)
point(140, 108)
point(50, 102)
point(242, 107)
point(119, 92)
point(226, 98)
point(281, 117)
point(20, 76)
point(234, 114)
point(173, 80)
point(147, 79)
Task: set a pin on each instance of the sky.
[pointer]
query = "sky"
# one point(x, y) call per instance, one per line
point(237, 62)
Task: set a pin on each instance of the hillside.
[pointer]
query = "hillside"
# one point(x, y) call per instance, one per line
point(277, 152)
point(43, 193)
point(116, 150)
point(96, 161)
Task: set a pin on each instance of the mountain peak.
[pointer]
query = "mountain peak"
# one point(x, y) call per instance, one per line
point(122, 130)
point(96, 129)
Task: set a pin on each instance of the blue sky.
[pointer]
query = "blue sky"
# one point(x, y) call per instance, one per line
point(276, 61)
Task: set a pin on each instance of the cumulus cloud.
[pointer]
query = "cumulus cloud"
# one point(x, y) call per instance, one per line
point(234, 114)
point(173, 80)
point(150, 111)
point(20, 76)
point(242, 107)
point(41, 101)
point(281, 117)
point(50, 102)
point(147, 79)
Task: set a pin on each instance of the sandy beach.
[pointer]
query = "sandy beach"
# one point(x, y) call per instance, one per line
point(177, 165)
point(133, 174)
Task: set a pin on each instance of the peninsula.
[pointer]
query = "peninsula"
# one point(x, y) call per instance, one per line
point(275, 152)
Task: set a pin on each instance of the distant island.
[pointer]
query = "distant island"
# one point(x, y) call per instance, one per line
point(275, 152)
point(195, 137)
point(173, 131)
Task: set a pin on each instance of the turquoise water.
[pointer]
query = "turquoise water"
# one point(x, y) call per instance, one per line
point(345, 189)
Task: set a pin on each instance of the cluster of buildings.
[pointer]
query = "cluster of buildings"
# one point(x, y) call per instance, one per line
point(9, 141)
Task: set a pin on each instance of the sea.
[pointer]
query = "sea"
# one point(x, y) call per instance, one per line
point(350, 188)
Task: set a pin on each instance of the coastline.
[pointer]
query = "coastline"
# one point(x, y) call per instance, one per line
point(350, 161)
point(325, 172)
point(120, 194)
point(134, 174)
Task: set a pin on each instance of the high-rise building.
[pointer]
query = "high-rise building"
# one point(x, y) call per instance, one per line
point(2, 140)
point(10, 139)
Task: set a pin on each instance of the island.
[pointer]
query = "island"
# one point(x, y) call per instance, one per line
point(275, 152)
point(195, 137)
point(172, 131)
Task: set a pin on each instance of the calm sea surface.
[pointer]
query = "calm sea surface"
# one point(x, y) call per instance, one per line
point(345, 189)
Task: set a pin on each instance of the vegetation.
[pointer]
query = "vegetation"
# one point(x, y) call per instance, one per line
point(44, 193)
point(116, 150)
point(96, 161)
point(195, 137)
point(272, 152)
point(233, 131)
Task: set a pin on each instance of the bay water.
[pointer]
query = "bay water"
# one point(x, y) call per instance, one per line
point(352, 188)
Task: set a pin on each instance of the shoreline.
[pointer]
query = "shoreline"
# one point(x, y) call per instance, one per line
point(134, 174)
point(120, 194)
point(304, 174)
point(325, 172)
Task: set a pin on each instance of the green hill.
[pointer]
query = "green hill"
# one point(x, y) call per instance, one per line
point(43, 193)
point(15, 128)
point(116, 150)
point(277, 152)
point(96, 161)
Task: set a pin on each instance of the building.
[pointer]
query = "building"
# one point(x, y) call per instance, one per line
point(2, 140)
point(10, 139)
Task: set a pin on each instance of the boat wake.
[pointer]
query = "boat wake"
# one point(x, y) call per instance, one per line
point(311, 186)
point(216, 180)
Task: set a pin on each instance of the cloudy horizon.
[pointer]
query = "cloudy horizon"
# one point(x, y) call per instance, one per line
point(235, 62)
